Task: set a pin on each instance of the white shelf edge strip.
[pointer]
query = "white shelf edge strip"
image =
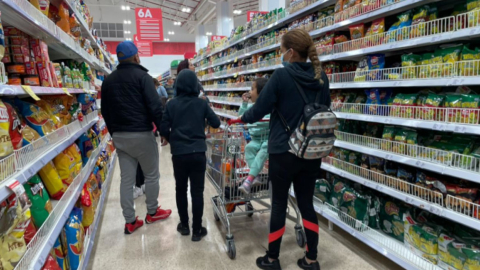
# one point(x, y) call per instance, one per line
point(224, 102)
point(225, 115)
point(32, 168)
point(410, 199)
point(323, 210)
point(88, 246)
point(40, 248)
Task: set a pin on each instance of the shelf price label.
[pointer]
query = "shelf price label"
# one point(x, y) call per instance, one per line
point(30, 92)
point(65, 90)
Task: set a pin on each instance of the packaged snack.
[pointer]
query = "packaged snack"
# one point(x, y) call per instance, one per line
point(450, 56)
point(376, 165)
point(339, 186)
point(51, 264)
point(30, 229)
point(60, 254)
point(12, 241)
point(87, 207)
point(392, 33)
point(388, 135)
point(41, 205)
point(340, 39)
point(405, 20)
point(14, 126)
point(44, 6)
point(390, 168)
point(36, 117)
point(323, 190)
point(6, 147)
point(391, 218)
point(420, 16)
point(405, 174)
point(52, 112)
point(470, 106)
point(410, 60)
point(64, 22)
point(373, 101)
point(357, 31)
point(375, 62)
point(74, 233)
point(453, 101)
point(75, 26)
point(40, 50)
point(86, 147)
point(52, 181)
point(362, 70)
point(75, 152)
point(356, 206)
point(66, 167)
point(15, 69)
point(377, 27)
point(44, 74)
point(421, 238)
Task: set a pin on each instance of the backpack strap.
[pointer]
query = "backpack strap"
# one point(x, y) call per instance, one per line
point(284, 122)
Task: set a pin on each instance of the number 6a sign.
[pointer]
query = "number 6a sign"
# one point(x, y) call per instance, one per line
point(149, 24)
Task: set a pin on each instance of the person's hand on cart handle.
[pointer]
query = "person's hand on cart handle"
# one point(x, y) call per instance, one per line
point(164, 141)
point(235, 121)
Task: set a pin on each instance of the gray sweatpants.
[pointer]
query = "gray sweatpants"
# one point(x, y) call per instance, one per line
point(134, 148)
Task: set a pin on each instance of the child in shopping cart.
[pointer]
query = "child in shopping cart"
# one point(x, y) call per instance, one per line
point(256, 151)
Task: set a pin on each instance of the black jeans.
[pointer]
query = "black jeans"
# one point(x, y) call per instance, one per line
point(191, 166)
point(284, 170)
point(140, 179)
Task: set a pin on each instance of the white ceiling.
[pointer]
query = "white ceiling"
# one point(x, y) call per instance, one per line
point(109, 11)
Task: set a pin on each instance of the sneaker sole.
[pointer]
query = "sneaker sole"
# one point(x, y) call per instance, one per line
point(160, 218)
point(243, 191)
point(267, 267)
point(197, 239)
point(183, 233)
point(126, 231)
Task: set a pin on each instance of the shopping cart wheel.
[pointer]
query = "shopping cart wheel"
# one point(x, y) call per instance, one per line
point(301, 238)
point(249, 208)
point(232, 252)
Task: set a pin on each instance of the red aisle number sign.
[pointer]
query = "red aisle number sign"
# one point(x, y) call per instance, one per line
point(215, 38)
point(145, 47)
point(149, 24)
point(251, 14)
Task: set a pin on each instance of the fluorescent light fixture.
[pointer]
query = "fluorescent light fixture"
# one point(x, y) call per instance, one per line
point(123, 8)
point(166, 39)
point(127, 32)
point(177, 23)
point(128, 39)
point(124, 22)
point(127, 8)
point(171, 33)
point(209, 33)
point(237, 11)
point(185, 9)
point(127, 22)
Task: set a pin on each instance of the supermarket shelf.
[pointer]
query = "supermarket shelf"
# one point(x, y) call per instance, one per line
point(98, 82)
point(225, 115)
point(225, 102)
point(24, 16)
point(440, 168)
point(17, 90)
point(31, 168)
point(274, 25)
point(44, 239)
point(456, 81)
point(384, 117)
point(90, 239)
point(461, 215)
point(228, 89)
point(248, 71)
point(387, 246)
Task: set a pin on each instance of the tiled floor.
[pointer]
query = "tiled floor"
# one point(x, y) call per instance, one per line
point(159, 246)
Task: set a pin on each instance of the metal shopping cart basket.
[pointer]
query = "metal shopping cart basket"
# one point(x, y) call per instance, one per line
point(226, 169)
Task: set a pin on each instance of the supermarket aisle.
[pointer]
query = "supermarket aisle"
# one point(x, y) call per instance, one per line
point(159, 246)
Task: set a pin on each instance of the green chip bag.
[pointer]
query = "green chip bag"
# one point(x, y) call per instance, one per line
point(41, 205)
point(323, 190)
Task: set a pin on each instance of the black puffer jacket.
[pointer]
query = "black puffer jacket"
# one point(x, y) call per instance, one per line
point(129, 100)
point(183, 123)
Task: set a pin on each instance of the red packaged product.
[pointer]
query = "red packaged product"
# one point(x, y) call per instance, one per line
point(44, 73)
point(15, 127)
point(11, 31)
point(51, 264)
point(7, 59)
point(30, 68)
point(30, 231)
point(53, 75)
point(18, 40)
point(40, 50)
point(21, 58)
point(19, 49)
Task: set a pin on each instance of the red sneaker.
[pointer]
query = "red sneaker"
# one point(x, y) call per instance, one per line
point(159, 215)
point(130, 228)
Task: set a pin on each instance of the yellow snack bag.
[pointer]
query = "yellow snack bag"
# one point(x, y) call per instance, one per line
point(74, 152)
point(65, 165)
point(52, 113)
point(52, 181)
point(6, 146)
point(87, 206)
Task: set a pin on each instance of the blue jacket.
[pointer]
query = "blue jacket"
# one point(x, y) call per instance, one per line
point(162, 92)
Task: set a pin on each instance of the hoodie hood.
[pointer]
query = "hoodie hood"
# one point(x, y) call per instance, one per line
point(304, 75)
point(186, 84)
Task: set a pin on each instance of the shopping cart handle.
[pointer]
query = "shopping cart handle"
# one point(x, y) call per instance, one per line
point(234, 121)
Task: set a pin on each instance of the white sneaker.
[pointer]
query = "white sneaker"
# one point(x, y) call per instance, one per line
point(137, 192)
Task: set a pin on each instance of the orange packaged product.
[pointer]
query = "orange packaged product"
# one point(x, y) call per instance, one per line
point(357, 31)
point(32, 80)
point(16, 69)
point(44, 73)
point(14, 79)
point(64, 22)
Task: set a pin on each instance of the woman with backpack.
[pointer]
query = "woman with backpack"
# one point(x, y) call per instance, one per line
point(290, 95)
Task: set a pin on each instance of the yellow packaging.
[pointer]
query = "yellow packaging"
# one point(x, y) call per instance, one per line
point(74, 152)
point(52, 113)
point(52, 181)
point(87, 207)
point(6, 146)
point(65, 165)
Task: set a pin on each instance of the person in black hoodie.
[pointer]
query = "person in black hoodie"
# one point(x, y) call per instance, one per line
point(183, 125)
point(281, 96)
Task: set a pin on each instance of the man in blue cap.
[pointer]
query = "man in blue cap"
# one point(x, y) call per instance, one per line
point(130, 104)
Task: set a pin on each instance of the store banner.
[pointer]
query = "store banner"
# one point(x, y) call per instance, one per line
point(251, 14)
point(215, 38)
point(145, 47)
point(149, 24)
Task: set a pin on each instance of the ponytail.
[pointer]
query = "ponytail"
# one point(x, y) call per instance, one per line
point(301, 42)
point(313, 56)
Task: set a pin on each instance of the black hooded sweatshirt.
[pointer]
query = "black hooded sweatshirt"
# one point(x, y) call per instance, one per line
point(183, 123)
point(281, 94)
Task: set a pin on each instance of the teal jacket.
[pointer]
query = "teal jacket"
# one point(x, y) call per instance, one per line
point(259, 130)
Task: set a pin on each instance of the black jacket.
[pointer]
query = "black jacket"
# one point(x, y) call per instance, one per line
point(129, 100)
point(280, 93)
point(183, 123)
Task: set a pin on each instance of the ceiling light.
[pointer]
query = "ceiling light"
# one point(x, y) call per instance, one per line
point(166, 39)
point(171, 33)
point(128, 39)
point(127, 32)
point(123, 8)
point(237, 11)
point(177, 23)
point(127, 8)
point(209, 33)
point(127, 22)
point(185, 9)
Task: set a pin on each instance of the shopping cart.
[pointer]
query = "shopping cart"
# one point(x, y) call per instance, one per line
point(226, 169)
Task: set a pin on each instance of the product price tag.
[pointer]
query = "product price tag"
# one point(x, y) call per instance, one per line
point(65, 90)
point(437, 127)
point(30, 92)
point(460, 129)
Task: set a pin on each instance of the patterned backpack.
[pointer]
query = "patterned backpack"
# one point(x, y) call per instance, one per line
point(314, 136)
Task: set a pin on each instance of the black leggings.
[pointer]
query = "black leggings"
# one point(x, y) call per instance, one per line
point(283, 170)
point(191, 166)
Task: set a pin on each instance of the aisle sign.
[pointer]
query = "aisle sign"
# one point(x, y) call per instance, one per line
point(216, 38)
point(251, 14)
point(145, 47)
point(149, 24)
